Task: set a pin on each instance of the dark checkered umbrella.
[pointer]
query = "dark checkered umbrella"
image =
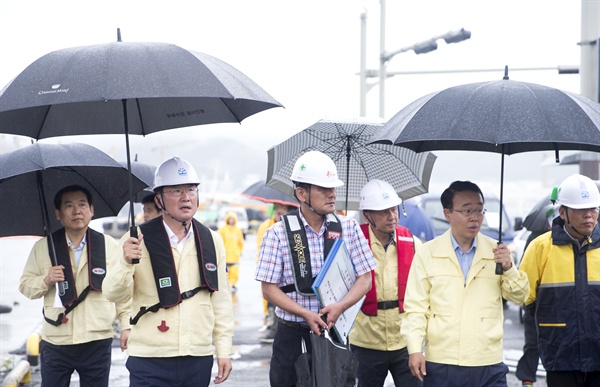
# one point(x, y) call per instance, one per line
point(357, 161)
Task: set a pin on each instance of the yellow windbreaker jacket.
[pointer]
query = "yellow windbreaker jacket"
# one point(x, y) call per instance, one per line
point(382, 332)
point(461, 322)
point(193, 325)
point(89, 321)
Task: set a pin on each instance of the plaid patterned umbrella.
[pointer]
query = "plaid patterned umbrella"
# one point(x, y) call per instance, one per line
point(357, 161)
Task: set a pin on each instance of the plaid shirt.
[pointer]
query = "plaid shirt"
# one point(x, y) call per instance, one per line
point(275, 264)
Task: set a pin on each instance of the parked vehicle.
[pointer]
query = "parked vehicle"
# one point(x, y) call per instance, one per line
point(208, 217)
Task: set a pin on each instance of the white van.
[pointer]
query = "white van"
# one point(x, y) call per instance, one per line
point(242, 217)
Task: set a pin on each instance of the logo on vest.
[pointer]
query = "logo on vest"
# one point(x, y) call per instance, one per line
point(211, 267)
point(333, 234)
point(98, 271)
point(164, 282)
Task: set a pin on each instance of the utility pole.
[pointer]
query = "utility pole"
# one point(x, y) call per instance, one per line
point(590, 50)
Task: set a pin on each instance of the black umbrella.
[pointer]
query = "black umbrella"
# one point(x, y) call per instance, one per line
point(537, 218)
point(331, 364)
point(504, 116)
point(145, 173)
point(31, 176)
point(357, 161)
point(136, 88)
point(260, 191)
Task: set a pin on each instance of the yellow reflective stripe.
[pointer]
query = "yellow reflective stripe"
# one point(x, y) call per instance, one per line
point(552, 325)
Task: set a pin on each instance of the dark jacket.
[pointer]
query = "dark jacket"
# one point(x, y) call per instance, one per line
point(565, 285)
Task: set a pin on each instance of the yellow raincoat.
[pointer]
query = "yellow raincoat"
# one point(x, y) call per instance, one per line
point(233, 238)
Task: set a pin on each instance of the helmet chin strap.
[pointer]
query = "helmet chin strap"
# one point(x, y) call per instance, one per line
point(568, 222)
point(372, 223)
point(164, 209)
point(311, 207)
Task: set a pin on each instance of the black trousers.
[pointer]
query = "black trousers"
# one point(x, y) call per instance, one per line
point(180, 371)
point(528, 363)
point(91, 361)
point(445, 375)
point(573, 379)
point(373, 367)
point(287, 348)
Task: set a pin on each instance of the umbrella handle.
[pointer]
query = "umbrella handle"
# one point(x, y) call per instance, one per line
point(499, 269)
point(133, 233)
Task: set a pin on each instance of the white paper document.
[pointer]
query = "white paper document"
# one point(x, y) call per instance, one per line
point(333, 283)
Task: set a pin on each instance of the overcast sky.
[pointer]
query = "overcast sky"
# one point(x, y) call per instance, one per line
point(306, 53)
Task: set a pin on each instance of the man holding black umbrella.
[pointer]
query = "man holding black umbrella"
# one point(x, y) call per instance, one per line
point(453, 300)
point(287, 269)
point(182, 311)
point(77, 331)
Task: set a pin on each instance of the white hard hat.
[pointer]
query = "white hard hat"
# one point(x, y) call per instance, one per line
point(378, 195)
point(175, 171)
point(577, 192)
point(316, 168)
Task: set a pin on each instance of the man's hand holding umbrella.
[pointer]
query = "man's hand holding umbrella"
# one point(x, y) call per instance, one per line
point(132, 249)
point(55, 274)
point(502, 256)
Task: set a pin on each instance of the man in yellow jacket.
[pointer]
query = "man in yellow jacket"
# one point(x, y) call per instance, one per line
point(182, 312)
point(233, 238)
point(77, 331)
point(453, 299)
point(375, 338)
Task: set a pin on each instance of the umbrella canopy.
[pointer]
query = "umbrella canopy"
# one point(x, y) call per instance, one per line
point(537, 218)
point(504, 116)
point(119, 87)
point(357, 161)
point(84, 90)
point(41, 170)
point(145, 173)
point(260, 191)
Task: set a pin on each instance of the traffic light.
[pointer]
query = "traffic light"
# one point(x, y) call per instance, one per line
point(457, 36)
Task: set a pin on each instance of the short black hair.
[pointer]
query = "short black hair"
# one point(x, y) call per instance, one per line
point(297, 184)
point(458, 186)
point(71, 188)
point(150, 199)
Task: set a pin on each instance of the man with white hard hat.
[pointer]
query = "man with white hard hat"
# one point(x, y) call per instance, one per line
point(287, 274)
point(182, 305)
point(564, 278)
point(375, 337)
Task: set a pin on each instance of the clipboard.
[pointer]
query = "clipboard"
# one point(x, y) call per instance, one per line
point(333, 283)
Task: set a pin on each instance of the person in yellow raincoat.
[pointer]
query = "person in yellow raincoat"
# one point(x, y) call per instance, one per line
point(234, 244)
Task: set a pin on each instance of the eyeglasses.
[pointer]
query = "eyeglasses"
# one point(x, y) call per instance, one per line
point(178, 192)
point(470, 213)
